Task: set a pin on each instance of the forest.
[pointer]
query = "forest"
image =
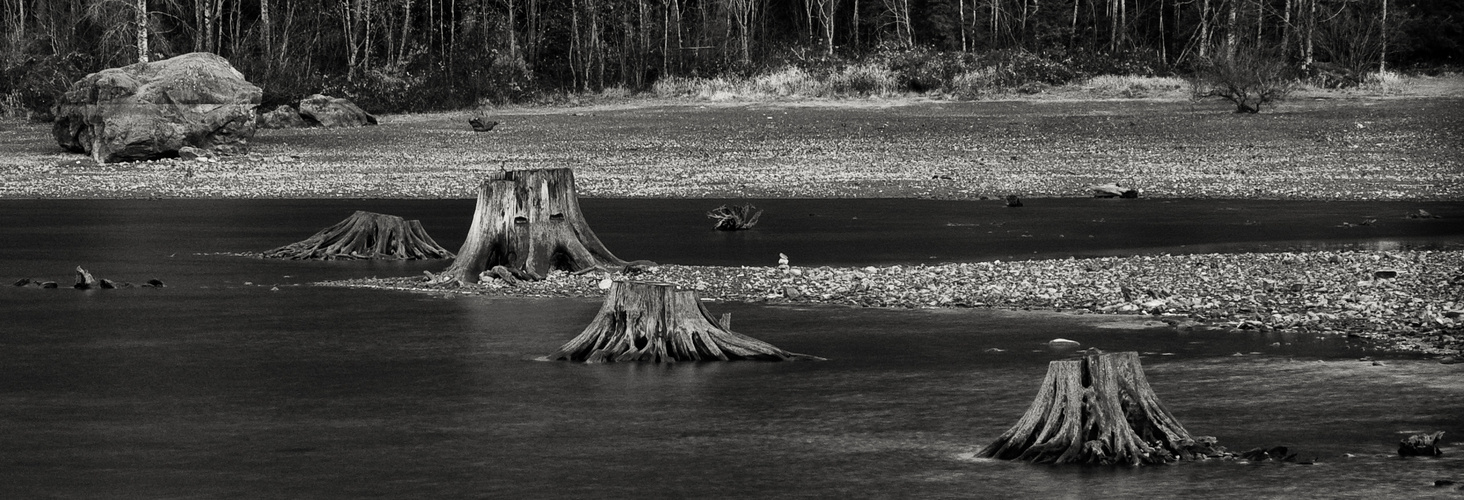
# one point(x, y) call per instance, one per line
point(412, 55)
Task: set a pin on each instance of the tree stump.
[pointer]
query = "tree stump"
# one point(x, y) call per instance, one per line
point(366, 235)
point(528, 221)
point(658, 322)
point(1097, 410)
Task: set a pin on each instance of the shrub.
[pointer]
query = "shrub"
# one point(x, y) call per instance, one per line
point(1248, 78)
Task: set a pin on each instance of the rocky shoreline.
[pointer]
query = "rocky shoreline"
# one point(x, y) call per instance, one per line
point(1407, 301)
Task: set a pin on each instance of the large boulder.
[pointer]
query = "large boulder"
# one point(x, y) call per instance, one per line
point(153, 109)
point(282, 117)
point(334, 112)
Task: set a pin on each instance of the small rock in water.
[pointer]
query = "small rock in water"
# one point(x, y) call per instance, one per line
point(23, 282)
point(1060, 342)
point(49, 284)
point(1443, 482)
point(155, 282)
point(1013, 201)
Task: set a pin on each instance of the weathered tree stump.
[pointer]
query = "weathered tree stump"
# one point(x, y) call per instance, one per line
point(657, 322)
point(1097, 410)
point(366, 235)
point(528, 221)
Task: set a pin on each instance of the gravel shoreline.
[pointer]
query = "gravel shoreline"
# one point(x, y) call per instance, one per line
point(1407, 301)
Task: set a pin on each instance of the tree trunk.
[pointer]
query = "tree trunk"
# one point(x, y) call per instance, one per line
point(141, 31)
point(528, 221)
point(659, 323)
point(365, 235)
point(1097, 410)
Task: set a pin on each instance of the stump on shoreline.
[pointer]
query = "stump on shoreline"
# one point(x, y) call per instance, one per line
point(659, 323)
point(529, 222)
point(365, 235)
point(1097, 410)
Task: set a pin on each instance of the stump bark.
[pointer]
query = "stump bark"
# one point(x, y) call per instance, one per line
point(659, 323)
point(528, 221)
point(366, 235)
point(1097, 410)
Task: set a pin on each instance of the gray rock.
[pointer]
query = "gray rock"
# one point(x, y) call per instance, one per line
point(282, 117)
point(151, 110)
point(334, 112)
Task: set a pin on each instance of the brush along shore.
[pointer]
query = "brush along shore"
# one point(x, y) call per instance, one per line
point(1403, 300)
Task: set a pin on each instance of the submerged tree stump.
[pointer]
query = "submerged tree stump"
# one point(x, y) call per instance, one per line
point(528, 221)
point(366, 235)
point(658, 322)
point(1097, 410)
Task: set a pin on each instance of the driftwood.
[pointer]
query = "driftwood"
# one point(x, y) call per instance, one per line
point(366, 235)
point(1097, 410)
point(734, 218)
point(529, 222)
point(659, 323)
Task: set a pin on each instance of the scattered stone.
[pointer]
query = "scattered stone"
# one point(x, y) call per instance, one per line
point(481, 125)
point(503, 274)
point(84, 279)
point(192, 153)
point(1013, 201)
point(1421, 445)
point(637, 267)
point(792, 293)
point(1113, 191)
point(334, 112)
point(1277, 454)
point(150, 110)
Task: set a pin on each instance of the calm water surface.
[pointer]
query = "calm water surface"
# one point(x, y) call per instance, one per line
point(238, 380)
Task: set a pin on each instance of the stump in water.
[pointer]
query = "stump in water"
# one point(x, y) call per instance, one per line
point(528, 221)
point(657, 322)
point(1098, 410)
point(366, 235)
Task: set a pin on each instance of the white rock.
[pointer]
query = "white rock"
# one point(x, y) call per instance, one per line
point(1062, 342)
point(605, 283)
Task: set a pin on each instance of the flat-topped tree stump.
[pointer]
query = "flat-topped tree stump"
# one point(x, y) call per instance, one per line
point(1096, 410)
point(657, 322)
point(366, 235)
point(529, 222)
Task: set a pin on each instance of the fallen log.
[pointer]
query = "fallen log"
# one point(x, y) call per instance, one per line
point(659, 323)
point(365, 235)
point(529, 222)
point(1097, 410)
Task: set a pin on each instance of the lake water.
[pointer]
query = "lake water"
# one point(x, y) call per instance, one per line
point(239, 379)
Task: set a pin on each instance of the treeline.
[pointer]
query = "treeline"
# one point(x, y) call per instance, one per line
point(426, 54)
